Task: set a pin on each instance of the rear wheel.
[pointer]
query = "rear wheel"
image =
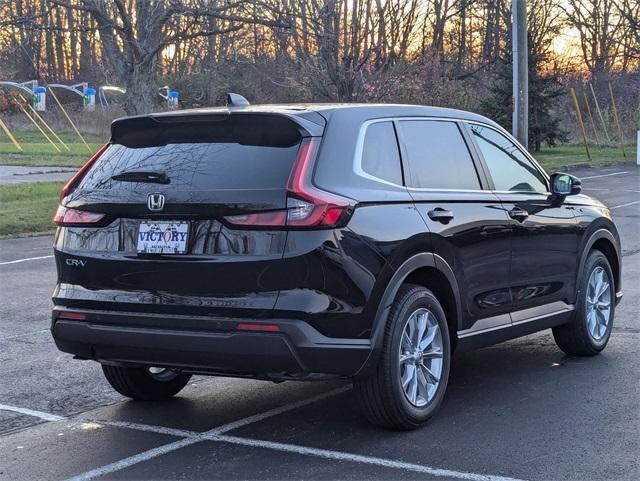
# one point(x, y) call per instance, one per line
point(145, 383)
point(411, 377)
point(590, 329)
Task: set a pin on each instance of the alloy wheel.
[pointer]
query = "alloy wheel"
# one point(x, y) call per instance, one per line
point(598, 311)
point(421, 357)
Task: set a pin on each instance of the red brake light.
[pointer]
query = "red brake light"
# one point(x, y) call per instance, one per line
point(307, 206)
point(67, 216)
point(77, 177)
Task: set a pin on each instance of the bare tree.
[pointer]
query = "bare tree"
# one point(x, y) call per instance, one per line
point(133, 34)
point(629, 11)
point(599, 27)
point(345, 47)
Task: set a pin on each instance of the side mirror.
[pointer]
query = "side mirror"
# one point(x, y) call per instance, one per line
point(565, 184)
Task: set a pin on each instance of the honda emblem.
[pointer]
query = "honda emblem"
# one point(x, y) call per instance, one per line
point(155, 202)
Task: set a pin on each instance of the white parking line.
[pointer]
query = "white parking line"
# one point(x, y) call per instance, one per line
point(357, 458)
point(18, 261)
point(181, 433)
point(135, 459)
point(290, 448)
point(275, 412)
point(167, 448)
point(31, 412)
point(214, 435)
point(625, 205)
point(24, 334)
point(604, 175)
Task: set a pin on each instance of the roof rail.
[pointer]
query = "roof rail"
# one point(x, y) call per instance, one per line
point(236, 100)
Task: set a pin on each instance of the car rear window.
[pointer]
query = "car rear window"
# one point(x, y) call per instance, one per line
point(244, 153)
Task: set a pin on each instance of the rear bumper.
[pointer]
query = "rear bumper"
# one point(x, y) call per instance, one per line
point(207, 345)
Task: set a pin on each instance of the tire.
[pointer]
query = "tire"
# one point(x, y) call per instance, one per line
point(140, 384)
point(578, 337)
point(381, 396)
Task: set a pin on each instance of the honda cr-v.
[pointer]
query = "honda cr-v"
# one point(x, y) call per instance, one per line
point(304, 242)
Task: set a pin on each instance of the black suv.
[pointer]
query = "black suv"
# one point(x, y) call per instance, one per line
point(304, 242)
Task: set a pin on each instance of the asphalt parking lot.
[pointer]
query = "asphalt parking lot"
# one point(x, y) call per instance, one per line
point(518, 410)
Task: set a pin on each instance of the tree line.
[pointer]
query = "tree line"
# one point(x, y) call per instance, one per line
point(440, 52)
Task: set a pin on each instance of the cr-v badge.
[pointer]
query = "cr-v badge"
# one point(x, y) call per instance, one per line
point(155, 202)
point(75, 262)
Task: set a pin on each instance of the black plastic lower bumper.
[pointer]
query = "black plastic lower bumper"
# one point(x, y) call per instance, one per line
point(206, 344)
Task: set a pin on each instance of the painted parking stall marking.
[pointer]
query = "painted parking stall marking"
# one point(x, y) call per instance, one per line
point(357, 458)
point(604, 175)
point(216, 435)
point(24, 334)
point(18, 261)
point(628, 204)
point(199, 437)
point(30, 412)
point(276, 411)
point(135, 459)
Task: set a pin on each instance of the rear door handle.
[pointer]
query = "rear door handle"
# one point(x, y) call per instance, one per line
point(518, 214)
point(440, 215)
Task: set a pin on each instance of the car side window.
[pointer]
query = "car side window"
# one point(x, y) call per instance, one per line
point(380, 154)
point(510, 169)
point(438, 156)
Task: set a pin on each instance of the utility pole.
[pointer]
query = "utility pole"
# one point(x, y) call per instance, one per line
point(520, 119)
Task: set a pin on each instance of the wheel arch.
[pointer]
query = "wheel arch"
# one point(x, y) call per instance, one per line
point(437, 282)
point(607, 243)
point(425, 269)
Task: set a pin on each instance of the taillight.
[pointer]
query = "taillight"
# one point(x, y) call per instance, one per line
point(67, 216)
point(307, 206)
point(77, 177)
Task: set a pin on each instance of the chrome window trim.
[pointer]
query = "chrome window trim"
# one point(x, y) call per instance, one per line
point(521, 192)
point(357, 158)
point(434, 190)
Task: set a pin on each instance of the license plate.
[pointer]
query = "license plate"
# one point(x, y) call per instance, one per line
point(163, 237)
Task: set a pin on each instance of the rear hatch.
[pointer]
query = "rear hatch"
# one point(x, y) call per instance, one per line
point(174, 216)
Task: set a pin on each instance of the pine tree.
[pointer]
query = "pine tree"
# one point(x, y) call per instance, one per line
point(544, 89)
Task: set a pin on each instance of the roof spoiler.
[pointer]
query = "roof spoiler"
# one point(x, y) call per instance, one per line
point(236, 100)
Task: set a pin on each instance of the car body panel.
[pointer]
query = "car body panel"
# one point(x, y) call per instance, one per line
point(544, 250)
point(476, 244)
point(335, 278)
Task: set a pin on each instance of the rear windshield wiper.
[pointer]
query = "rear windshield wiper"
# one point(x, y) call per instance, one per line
point(138, 176)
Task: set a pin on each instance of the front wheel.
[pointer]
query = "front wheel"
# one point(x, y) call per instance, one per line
point(145, 383)
point(590, 329)
point(410, 380)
